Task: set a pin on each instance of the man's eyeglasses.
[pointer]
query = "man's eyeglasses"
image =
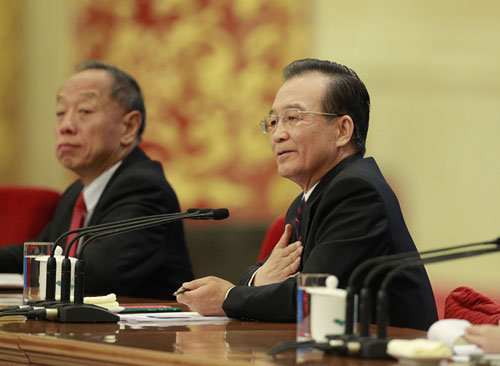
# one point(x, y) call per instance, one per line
point(291, 117)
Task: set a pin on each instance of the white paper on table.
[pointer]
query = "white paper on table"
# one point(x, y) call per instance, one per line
point(173, 318)
point(11, 299)
point(11, 280)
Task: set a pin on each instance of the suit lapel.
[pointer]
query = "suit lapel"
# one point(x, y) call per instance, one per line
point(317, 193)
point(309, 210)
point(135, 155)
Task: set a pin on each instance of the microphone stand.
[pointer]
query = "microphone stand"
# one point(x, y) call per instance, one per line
point(379, 264)
point(51, 261)
point(78, 312)
point(119, 228)
point(363, 345)
point(376, 347)
point(382, 306)
point(50, 288)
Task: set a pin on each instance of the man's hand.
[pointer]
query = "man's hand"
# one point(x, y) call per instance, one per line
point(486, 336)
point(205, 295)
point(283, 262)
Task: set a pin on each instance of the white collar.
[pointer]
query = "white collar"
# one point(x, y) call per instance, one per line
point(92, 193)
point(308, 193)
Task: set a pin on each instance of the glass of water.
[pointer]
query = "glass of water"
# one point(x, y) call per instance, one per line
point(33, 251)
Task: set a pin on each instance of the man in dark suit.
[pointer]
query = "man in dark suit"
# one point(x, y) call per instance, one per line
point(317, 130)
point(100, 120)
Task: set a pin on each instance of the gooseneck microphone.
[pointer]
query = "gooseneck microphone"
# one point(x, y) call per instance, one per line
point(120, 228)
point(124, 226)
point(371, 347)
point(192, 213)
point(68, 312)
point(81, 232)
point(51, 261)
point(382, 303)
point(380, 264)
point(363, 345)
point(78, 311)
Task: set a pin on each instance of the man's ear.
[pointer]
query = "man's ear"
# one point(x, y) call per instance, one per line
point(345, 130)
point(131, 123)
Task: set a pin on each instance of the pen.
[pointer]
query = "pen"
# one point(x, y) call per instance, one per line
point(181, 291)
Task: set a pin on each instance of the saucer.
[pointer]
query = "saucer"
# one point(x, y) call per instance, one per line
point(418, 361)
point(418, 351)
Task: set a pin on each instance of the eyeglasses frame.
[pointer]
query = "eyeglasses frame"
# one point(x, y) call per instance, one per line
point(280, 118)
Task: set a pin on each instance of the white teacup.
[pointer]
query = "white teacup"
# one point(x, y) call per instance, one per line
point(43, 273)
point(327, 310)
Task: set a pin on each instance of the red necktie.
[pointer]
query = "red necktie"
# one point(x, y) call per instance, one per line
point(76, 221)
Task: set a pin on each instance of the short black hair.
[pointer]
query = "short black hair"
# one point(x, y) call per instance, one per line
point(345, 94)
point(125, 90)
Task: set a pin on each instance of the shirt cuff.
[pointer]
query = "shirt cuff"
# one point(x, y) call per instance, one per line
point(251, 279)
point(227, 293)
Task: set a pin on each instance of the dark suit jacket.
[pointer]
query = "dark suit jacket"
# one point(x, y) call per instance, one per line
point(151, 262)
point(352, 215)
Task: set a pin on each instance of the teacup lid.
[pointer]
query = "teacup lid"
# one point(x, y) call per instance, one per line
point(330, 288)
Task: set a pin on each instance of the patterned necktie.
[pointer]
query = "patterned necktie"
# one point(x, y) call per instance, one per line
point(76, 221)
point(298, 219)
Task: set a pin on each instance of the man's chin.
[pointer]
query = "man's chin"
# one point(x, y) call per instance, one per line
point(68, 163)
point(285, 172)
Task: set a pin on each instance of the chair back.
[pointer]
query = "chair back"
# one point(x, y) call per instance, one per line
point(24, 211)
point(272, 236)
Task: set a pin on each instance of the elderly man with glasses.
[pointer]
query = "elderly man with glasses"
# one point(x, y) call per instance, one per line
point(346, 214)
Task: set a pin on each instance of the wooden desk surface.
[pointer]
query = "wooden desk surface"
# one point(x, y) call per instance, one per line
point(233, 343)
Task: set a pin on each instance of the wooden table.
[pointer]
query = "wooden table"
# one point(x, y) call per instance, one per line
point(38, 342)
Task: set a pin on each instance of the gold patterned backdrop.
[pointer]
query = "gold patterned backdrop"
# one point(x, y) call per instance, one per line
point(209, 70)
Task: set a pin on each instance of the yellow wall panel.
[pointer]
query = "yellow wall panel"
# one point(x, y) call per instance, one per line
point(10, 26)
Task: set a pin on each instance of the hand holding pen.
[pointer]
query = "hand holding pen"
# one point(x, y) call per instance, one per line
point(205, 295)
point(180, 291)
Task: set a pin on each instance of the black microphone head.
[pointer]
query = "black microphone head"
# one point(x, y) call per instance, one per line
point(220, 213)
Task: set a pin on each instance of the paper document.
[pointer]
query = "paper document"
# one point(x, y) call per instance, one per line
point(11, 280)
point(11, 299)
point(171, 318)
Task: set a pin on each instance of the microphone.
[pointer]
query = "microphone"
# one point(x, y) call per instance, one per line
point(51, 261)
point(363, 345)
point(123, 226)
point(102, 230)
point(78, 311)
point(369, 347)
point(119, 227)
point(382, 263)
point(382, 305)
point(218, 214)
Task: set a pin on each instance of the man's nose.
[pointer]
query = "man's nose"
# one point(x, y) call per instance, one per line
point(66, 124)
point(280, 133)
